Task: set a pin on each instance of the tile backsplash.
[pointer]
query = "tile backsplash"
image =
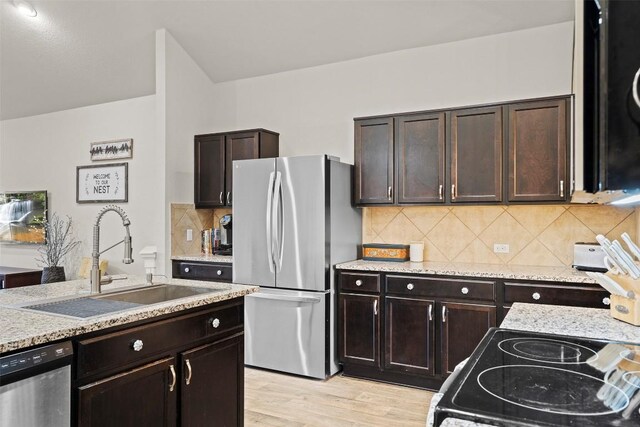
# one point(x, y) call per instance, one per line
point(537, 235)
point(186, 216)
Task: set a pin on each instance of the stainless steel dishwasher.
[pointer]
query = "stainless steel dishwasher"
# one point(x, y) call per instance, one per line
point(35, 387)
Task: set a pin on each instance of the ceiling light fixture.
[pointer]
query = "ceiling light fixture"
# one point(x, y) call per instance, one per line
point(25, 8)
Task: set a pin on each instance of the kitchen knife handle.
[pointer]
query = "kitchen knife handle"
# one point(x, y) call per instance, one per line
point(561, 188)
point(634, 88)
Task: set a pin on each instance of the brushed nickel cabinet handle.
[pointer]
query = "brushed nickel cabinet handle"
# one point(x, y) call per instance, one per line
point(561, 188)
point(173, 378)
point(634, 88)
point(221, 201)
point(430, 312)
point(440, 191)
point(389, 193)
point(228, 197)
point(453, 191)
point(187, 380)
point(375, 307)
point(444, 314)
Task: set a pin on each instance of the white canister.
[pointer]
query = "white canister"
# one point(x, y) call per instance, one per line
point(416, 251)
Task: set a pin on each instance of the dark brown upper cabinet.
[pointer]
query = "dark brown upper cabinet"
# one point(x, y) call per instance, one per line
point(213, 155)
point(374, 170)
point(493, 154)
point(420, 141)
point(538, 145)
point(475, 145)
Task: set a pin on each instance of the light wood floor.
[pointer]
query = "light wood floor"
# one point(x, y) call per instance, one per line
point(273, 399)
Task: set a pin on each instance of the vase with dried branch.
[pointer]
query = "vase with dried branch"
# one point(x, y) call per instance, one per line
point(60, 242)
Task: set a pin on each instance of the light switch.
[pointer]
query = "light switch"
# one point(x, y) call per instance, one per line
point(189, 234)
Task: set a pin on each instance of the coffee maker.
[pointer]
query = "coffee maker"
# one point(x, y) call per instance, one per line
point(225, 235)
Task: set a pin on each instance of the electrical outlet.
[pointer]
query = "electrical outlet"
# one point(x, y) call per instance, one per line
point(501, 248)
point(189, 234)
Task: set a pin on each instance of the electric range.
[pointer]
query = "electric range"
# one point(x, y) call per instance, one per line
point(517, 378)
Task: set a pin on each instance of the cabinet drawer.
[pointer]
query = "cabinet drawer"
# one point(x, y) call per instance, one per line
point(440, 288)
point(361, 282)
point(202, 271)
point(139, 343)
point(580, 296)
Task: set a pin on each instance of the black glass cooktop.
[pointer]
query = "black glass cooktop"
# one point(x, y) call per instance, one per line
point(519, 378)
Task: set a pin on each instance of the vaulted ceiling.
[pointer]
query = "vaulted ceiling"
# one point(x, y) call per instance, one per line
point(77, 53)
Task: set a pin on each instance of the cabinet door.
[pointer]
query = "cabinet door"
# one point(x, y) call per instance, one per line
point(239, 146)
point(359, 335)
point(420, 158)
point(209, 170)
point(463, 326)
point(538, 151)
point(145, 396)
point(374, 161)
point(409, 335)
point(476, 155)
point(213, 384)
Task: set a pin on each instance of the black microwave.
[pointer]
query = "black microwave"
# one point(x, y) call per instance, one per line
point(611, 95)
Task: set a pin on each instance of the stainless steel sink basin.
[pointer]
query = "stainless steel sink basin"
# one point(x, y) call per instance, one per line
point(119, 301)
point(156, 294)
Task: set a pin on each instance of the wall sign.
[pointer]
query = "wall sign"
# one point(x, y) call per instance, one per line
point(102, 183)
point(111, 150)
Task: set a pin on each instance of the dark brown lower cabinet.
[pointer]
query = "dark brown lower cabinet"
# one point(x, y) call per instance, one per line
point(463, 326)
point(359, 335)
point(140, 397)
point(212, 384)
point(409, 331)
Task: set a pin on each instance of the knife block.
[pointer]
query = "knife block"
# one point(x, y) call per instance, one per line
point(623, 308)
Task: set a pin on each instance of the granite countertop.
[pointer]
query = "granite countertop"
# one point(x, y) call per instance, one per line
point(573, 321)
point(20, 328)
point(203, 258)
point(519, 272)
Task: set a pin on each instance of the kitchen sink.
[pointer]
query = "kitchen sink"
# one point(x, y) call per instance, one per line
point(117, 301)
point(155, 294)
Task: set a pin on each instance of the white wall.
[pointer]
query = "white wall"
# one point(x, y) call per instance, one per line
point(185, 107)
point(42, 152)
point(313, 108)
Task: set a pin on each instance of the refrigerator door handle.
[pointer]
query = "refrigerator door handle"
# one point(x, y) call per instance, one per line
point(269, 222)
point(276, 221)
point(310, 300)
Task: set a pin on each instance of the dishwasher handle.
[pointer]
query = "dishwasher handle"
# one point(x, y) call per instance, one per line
point(307, 300)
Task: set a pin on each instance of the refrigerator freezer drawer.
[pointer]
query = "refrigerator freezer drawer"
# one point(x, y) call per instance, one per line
point(286, 331)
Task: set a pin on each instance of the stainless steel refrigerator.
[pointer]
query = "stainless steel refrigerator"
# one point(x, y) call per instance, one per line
point(293, 221)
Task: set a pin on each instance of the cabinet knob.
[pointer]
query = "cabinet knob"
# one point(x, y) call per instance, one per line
point(187, 269)
point(606, 301)
point(410, 286)
point(358, 282)
point(215, 322)
point(137, 345)
point(536, 296)
point(464, 290)
point(219, 272)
